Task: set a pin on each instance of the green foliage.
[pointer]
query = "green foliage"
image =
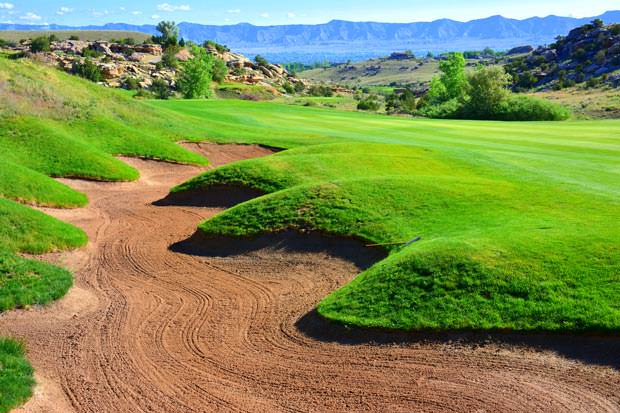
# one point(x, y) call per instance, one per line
point(288, 88)
point(527, 108)
point(40, 44)
point(369, 103)
point(320, 90)
point(169, 59)
point(88, 70)
point(74, 37)
point(182, 42)
point(514, 217)
point(169, 34)
point(220, 70)
point(195, 79)
point(16, 375)
point(488, 88)
point(132, 83)
point(219, 47)
point(404, 102)
point(453, 76)
point(161, 89)
point(91, 53)
point(261, 61)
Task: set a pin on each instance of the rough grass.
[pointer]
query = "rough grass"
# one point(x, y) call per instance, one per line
point(516, 219)
point(16, 375)
point(90, 35)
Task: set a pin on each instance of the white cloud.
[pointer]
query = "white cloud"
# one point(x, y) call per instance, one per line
point(7, 6)
point(172, 8)
point(136, 12)
point(121, 8)
point(30, 16)
point(291, 15)
point(233, 11)
point(155, 17)
point(64, 10)
point(265, 15)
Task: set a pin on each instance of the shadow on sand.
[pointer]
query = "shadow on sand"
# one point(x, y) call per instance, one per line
point(217, 196)
point(603, 349)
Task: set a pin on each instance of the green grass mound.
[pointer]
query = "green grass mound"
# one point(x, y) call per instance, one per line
point(57, 125)
point(16, 375)
point(514, 219)
point(26, 282)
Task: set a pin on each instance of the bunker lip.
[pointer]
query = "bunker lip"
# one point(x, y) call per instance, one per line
point(289, 241)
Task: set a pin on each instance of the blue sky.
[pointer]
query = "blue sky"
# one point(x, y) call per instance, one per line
point(73, 12)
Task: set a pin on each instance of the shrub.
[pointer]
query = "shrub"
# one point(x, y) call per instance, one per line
point(131, 83)
point(451, 109)
point(488, 88)
point(91, 53)
point(288, 88)
point(74, 37)
point(261, 61)
point(220, 70)
point(299, 87)
point(7, 43)
point(219, 47)
point(370, 104)
point(320, 91)
point(195, 79)
point(161, 89)
point(169, 58)
point(405, 102)
point(527, 108)
point(88, 70)
point(40, 44)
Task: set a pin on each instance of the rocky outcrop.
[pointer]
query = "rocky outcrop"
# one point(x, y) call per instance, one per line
point(589, 53)
point(120, 62)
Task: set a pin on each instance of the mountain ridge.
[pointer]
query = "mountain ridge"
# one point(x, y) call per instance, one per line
point(347, 38)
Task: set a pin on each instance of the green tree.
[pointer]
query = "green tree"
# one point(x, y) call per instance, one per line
point(261, 61)
point(169, 58)
point(220, 70)
point(488, 88)
point(195, 79)
point(161, 89)
point(453, 75)
point(40, 44)
point(169, 34)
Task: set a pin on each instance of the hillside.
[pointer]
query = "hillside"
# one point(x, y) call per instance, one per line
point(512, 219)
point(342, 40)
point(89, 35)
point(590, 53)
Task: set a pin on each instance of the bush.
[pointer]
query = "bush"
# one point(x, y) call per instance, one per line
point(169, 58)
point(527, 108)
point(7, 43)
point(219, 47)
point(131, 83)
point(320, 91)
point(370, 104)
point(91, 53)
point(451, 109)
point(299, 87)
point(405, 102)
point(488, 88)
point(288, 88)
point(195, 79)
point(74, 37)
point(261, 61)
point(87, 70)
point(161, 89)
point(220, 70)
point(40, 44)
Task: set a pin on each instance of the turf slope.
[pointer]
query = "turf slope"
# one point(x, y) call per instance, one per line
point(518, 221)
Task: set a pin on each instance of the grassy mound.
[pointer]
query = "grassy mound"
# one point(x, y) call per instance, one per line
point(16, 375)
point(514, 218)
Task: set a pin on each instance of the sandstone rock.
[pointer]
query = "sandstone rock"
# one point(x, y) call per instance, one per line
point(520, 50)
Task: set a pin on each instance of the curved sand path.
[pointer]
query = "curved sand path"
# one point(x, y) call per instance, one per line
point(150, 330)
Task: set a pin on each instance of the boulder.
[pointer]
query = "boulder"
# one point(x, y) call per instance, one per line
point(520, 50)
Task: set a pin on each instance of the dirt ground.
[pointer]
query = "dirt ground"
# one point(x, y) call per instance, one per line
point(156, 323)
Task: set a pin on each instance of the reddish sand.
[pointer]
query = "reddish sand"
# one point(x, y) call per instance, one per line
point(147, 329)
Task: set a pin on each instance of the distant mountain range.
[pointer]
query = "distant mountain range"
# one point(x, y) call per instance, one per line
point(340, 40)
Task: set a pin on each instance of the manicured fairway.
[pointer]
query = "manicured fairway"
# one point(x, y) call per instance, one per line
point(518, 220)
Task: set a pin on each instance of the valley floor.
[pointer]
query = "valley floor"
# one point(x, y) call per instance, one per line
point(149, 329)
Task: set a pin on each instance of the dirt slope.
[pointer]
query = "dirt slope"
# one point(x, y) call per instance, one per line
point(147, 329)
